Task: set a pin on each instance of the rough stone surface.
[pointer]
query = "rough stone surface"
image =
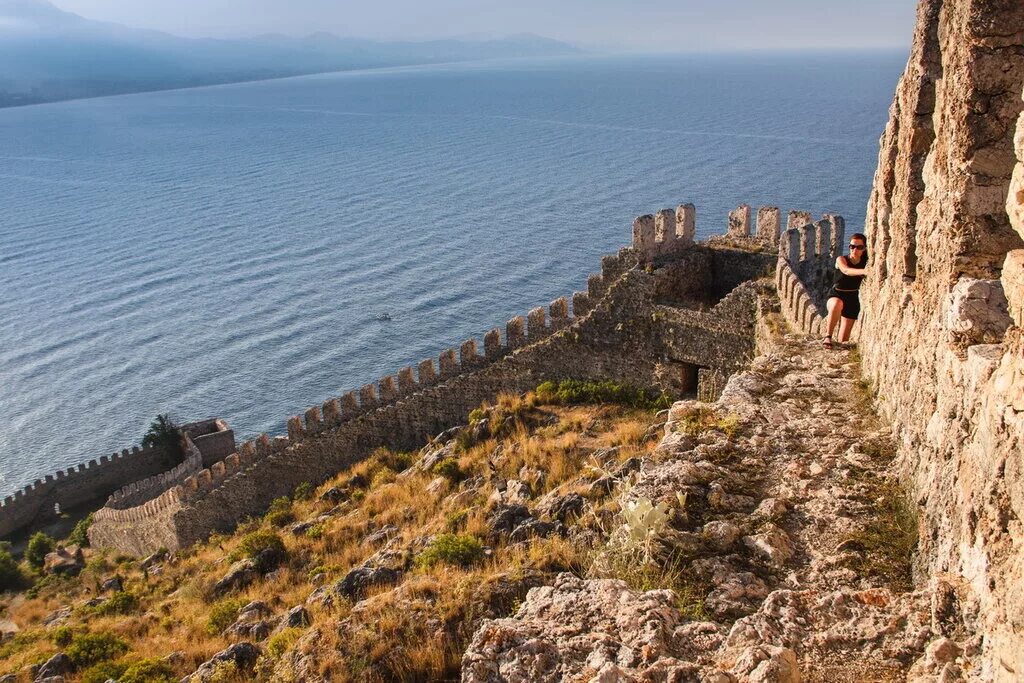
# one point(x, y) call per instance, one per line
point(766, 510)
point(243, 655)
point(945, 213)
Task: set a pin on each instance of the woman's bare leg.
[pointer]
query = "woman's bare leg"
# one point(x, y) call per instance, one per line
point(835, 310)
point(845, 327)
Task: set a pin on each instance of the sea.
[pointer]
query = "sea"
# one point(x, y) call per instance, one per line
point(227, 251)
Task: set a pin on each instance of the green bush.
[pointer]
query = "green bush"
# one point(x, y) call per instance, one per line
point(11, 576)
point(282, 642)
point(253, 546)
point(578, 392)
point(80, 534)
point(223, 614)
point(38, 546)
point(87, 649)
point(62, 636)
point(280, 512)
point(449, 469)
point(148, 671)
point(461, 550)
point(121, 602)
point(103, 672)
point(396, 461)
point(303, 491)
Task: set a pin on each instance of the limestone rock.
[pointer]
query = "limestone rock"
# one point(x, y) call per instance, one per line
point(238, 576)
point(57, 665)
point(357, 581)
point(69, 561)
point(242, 655)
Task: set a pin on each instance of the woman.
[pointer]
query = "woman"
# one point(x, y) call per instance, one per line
point(844, 299)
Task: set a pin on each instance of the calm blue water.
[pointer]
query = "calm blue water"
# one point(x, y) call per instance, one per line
point(224, 251)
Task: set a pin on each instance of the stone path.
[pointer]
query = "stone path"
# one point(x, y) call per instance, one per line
point(795, 538)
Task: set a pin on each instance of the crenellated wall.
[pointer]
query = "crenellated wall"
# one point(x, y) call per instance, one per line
point(79, 485)
point(613, 330)
point(806, 268)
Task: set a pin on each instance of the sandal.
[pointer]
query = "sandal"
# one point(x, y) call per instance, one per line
point(827, 343)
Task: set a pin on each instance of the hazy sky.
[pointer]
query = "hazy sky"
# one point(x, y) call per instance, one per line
point(649, 25)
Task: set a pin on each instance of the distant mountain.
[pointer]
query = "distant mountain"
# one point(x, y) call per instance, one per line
point(48, 54)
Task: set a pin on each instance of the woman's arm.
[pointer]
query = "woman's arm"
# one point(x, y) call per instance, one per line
point(843, 265)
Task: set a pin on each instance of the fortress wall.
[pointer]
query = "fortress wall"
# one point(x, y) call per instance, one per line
point(139, 492)
point(78, 485)
point(806, 268)
point(943, 333)
point(608, 332)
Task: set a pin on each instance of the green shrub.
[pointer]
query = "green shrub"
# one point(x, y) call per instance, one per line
point(11, 576)
point(457, 520)
point(62, 636)
point(578, 392)
point(87, 649)
point(38, 546)
point(476, 415)
point(280, 512)
point(121, 602)
point(80, 534)
point(103, 672)
point(148, 671)
point(396, 461)
point(253, 546)
point(449, 469)
point(461, 550)
point(303, 491)
point(282, 642)
point(316, 531)
point(223, 614)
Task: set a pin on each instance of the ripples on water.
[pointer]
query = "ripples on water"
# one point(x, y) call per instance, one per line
point(225, 251)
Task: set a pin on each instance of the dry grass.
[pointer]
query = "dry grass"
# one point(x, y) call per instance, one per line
point(415, 632)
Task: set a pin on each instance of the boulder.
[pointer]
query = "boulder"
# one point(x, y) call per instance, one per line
point(243, 655)
point(68, 561)
point(57, 665)
point(112, 585)
point(357, 581)
point(238, 576)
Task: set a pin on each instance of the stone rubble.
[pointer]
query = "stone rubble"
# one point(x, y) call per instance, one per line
point(765, 491)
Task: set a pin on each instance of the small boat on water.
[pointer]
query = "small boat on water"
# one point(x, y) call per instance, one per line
point(383, 317)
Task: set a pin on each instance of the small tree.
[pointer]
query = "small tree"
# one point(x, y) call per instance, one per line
point(11, 577)
point(38, 546)
point(163, 433)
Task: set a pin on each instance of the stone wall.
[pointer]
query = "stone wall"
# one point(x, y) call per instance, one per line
point(614, 330)
point(943, 354)
point(79, 485)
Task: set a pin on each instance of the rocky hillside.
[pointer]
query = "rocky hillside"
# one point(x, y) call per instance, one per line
point(762, 538)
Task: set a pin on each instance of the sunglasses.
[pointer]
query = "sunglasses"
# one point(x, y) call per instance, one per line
point(857, 246)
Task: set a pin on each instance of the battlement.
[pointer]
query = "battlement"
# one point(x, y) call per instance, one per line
point(612, 330)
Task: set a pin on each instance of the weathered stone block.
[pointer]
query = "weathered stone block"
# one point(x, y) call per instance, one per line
point(313, 421)
point(1013, 285)
point(837, 234)
point(559, 310)
point(807, 237)
point(595, 286)
point(448, 363)
point(515, 331)
point(739, 221)
point(797, 219)
point(789, 246)
point(368, 396)
point(295, 429)
point(388, 389)
point(492, 344)
point(768, 224)
point(665, 231)
point(332, 412)
point(645, 236)
point(537, 324)
point(580, 304)
point(686, 224)
point(822, 238)
point(468, 355)
point(426, 373)
point(406, 380)
point(349, 404)
point(978, 312)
